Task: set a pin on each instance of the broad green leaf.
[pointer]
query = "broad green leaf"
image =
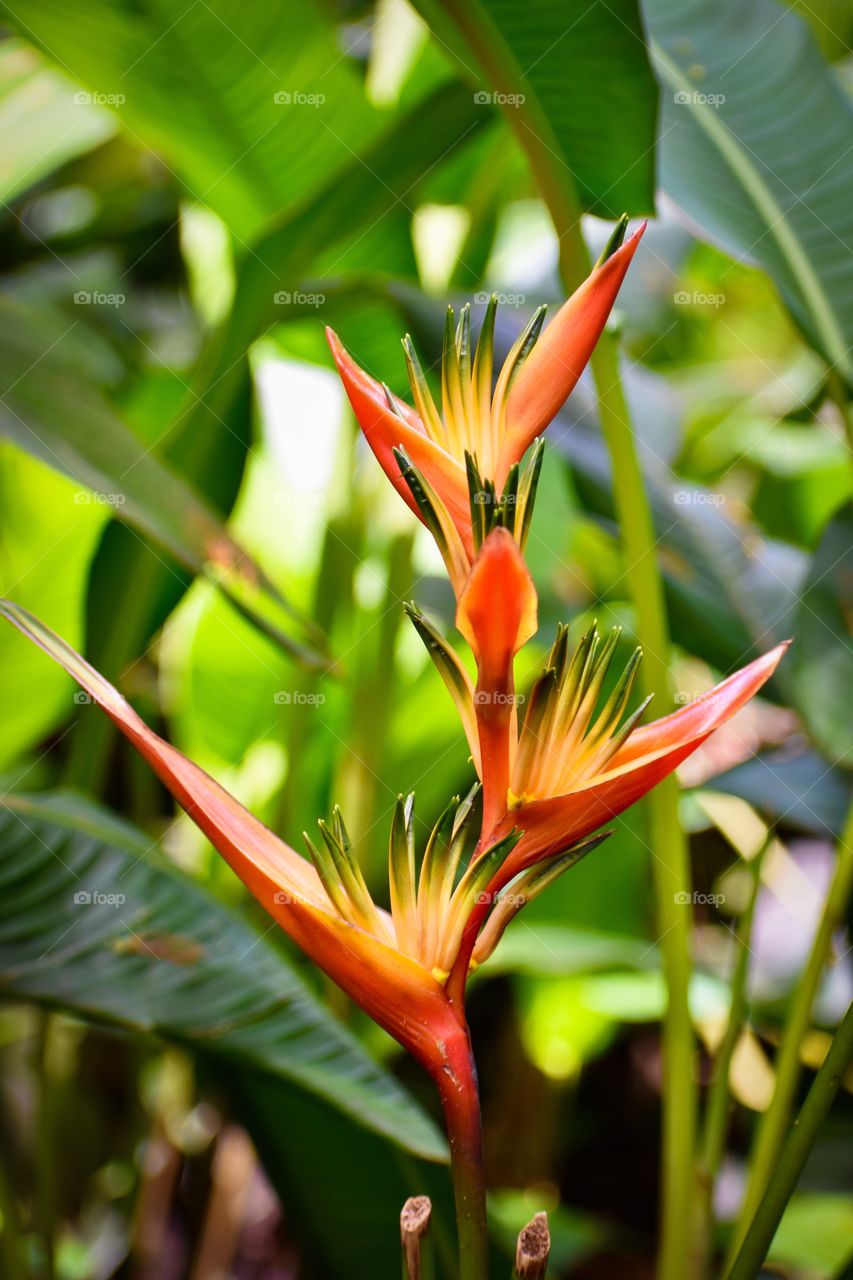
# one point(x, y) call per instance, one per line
point(822, 655)
point(93, 920)
point(318, 1162)
point(40, 132)
point(47, 539)
point(52, 410)
point(755, 147)
point(575, 84)
point(358, 199)
point(251, 105)
point(731, 593)
point(793, 785)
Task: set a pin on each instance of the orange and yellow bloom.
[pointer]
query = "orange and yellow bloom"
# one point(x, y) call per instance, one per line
point(447, 462)
point(554, 764)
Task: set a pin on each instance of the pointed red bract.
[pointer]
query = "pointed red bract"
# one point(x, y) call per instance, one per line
point(497, 614)
point(548, 375)
point(649, 756)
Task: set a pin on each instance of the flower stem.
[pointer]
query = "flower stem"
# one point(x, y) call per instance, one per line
point(719, 1095)
point(670, 861)
point(460, 1098)
point(794, 1153)
point(775, 1122)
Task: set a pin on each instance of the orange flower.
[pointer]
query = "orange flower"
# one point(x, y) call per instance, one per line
point(446, 463)
point(349, 938)
point(577, 761)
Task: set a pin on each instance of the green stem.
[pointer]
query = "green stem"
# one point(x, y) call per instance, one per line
point(460, 1099)
point(45, 1147)
point(794, 1154)
point(670, 861)
point(717, 1110)
point(774, 1124)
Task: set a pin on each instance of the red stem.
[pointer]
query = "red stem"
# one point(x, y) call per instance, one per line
point(460, 1098)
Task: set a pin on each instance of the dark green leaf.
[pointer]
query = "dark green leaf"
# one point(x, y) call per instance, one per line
point(576, 85)
point(755, 147)
point(94, 921)
point(822, 653)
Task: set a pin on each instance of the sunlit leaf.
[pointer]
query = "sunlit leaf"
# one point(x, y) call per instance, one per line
point(50, 409)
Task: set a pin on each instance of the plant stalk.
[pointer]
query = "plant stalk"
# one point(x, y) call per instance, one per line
point(794, 1154)
point(670, 854)
point(719, 1097)
point(774, 1124)
point(460, 1100)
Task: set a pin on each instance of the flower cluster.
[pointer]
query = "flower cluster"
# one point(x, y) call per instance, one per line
point(547, 780)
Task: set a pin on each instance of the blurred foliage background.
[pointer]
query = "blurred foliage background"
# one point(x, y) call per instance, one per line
point(190, 193)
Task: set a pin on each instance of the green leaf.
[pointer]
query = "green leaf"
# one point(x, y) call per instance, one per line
point(197, 83)
point(755, 147)
point(317, 1161)
point(795, 785)
point(55, 412)
point(576, 86)
point(822, 653)
point(94, 921)
point(46, 545)
point(731, 594)
point(40, 134)
point(360, 198)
